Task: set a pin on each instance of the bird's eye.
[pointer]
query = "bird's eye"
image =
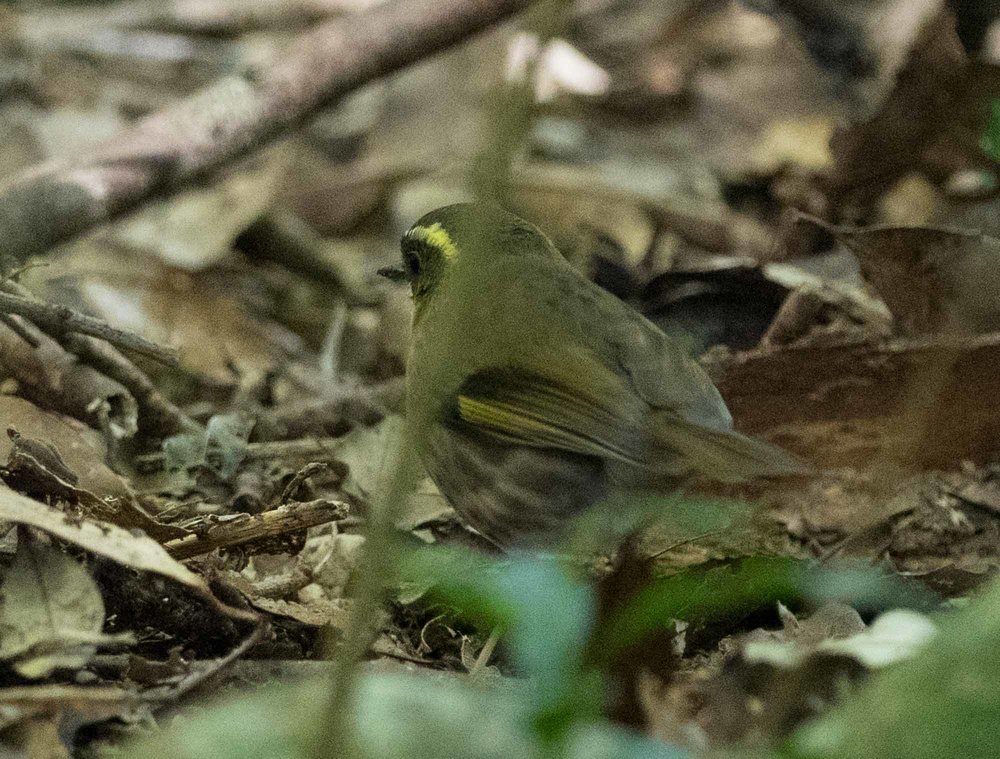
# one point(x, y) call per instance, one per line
point(412, 262)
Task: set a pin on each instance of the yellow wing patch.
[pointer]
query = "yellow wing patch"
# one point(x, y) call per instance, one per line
point(436, 236)
point(502, 416)
point(544, 415)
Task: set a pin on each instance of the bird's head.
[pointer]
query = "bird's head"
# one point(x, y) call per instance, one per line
point(461, 237)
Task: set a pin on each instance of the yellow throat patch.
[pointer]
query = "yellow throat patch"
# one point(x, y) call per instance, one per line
point(436, 236)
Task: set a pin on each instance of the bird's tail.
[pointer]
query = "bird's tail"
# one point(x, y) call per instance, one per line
point(724, 454)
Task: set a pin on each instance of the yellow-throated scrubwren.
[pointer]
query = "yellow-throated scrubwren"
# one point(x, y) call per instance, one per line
point(534, 393)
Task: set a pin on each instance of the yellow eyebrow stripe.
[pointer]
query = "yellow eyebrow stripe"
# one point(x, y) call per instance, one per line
point(435, 235)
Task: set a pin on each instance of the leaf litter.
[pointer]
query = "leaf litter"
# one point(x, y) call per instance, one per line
point(865, 341)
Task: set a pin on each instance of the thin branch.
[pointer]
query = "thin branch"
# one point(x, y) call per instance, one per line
point(53, 317)
point(203, 671)
point(234, 116)
point(51, 377)
point(59, 27)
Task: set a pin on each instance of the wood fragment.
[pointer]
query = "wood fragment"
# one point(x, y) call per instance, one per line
point(53, 378)
point(248, 528)
point(158, 417)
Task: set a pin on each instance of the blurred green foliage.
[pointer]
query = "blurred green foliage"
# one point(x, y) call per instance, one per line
point(547, 609)
point(945, 702)
point(991, 139)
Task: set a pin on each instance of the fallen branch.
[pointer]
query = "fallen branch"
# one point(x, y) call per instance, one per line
point(158, 417)
point(247, 528)
point(59, 319)
point(58, 27)
point(238, 114)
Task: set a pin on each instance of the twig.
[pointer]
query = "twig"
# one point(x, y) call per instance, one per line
point(684, 542)
point(486, 653)
point(248, 528)
point(381, 649)
point(237, 114)
point(299, 479)
point(49, 28)
point(18, 329)
point(158, 417)
point(62, 319)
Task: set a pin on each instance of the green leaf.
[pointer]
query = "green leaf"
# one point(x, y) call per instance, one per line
point(417, 716)
point(546, 616)
point(701, 595)
point(991, 139)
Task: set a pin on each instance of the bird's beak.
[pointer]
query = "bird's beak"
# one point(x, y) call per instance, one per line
point(393, 273)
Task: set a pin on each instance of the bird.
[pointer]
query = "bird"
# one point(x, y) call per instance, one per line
point(534, 394)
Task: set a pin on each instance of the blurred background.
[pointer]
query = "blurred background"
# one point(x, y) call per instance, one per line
point(661, 144)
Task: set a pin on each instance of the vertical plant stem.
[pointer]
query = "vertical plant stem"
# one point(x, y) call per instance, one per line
point(336, 736)
point(513, 111)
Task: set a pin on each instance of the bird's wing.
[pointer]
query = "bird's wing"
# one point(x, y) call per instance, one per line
point(527, 408)
point(664, 375)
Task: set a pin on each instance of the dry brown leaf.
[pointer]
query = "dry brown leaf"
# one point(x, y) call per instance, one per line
point(930, 85)
point(933, 279)
point(136, 551)
point(318, 612)
point(80, 447)
point(51, 612)
point(201, 314)
point(83, 705)
point(853, 403)
point(196, 228)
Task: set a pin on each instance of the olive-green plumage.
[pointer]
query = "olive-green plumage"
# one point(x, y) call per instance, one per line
point(534, 393)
